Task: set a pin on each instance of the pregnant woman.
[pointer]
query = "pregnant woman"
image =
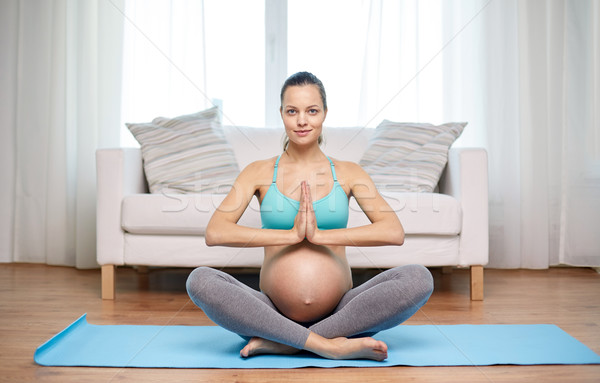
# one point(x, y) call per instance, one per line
point(306, 299)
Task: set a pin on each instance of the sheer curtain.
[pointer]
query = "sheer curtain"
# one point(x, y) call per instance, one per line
point(541, 102)
point(181, 56)
point(525, 75)
point(559, 93)
point(164, 71)
point(60, 101)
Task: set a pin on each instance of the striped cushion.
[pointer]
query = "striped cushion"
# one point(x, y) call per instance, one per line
point(409, 156)
point(186, 154)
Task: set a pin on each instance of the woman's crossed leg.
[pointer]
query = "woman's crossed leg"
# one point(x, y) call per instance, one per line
point(383, 302)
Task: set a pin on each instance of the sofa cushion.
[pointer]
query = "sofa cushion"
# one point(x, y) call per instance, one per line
point(252, 144)
point(419, 213)
point(426, 250)
point(186, 251)
point(186, 154)
point(409, 156)
point(177, 214)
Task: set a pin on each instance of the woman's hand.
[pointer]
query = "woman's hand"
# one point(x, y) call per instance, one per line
point(311, 220)
point(299, 228)
point(305, 223)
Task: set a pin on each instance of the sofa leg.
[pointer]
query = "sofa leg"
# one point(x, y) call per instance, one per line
point(477, 283)
point(108, 282)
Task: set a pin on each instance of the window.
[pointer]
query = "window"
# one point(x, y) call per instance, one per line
point(377, 59)
point(368, 55)
point(182, 56)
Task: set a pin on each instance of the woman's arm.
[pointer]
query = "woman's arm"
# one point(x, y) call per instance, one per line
point(223, 230)
point(385, 227)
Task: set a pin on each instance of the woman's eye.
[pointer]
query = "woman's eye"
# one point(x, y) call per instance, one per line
point(313, 111)
point(291, 111)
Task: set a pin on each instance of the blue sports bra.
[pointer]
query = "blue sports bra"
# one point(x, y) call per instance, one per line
point(278, 211)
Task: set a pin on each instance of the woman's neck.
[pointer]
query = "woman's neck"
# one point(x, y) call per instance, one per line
point(306, 154)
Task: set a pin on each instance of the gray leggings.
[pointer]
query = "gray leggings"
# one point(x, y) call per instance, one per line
point(382, 302)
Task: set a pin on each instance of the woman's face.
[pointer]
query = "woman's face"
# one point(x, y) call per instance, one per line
point(303, 114)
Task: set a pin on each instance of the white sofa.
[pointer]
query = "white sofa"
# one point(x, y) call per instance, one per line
point(449, 228)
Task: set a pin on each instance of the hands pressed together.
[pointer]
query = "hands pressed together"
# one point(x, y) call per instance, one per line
point(305, 224)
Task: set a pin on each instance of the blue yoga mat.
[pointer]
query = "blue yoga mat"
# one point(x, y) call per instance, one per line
point(83, 344)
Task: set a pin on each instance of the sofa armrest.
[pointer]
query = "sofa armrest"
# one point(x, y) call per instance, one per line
point(119, 173)
point(466, 179)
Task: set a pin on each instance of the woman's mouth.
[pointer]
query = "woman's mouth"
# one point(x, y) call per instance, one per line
point(302, 133)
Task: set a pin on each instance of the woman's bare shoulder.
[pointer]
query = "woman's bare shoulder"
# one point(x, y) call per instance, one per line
point(258, 170)
point(348, 169)
point(260, 165)
point(354, 178)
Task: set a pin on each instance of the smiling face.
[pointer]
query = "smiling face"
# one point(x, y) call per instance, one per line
point(303, 114)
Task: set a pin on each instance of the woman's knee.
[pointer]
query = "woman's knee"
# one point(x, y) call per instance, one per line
point(417, 279)
point(197, 280)
point(423, 280)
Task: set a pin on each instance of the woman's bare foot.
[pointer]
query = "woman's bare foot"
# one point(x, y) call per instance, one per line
point(345, 348)
point(258, 346)
point(337, 348)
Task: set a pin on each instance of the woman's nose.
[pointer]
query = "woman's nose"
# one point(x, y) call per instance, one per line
point(301, 119)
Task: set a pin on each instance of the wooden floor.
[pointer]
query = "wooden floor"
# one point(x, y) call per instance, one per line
point(37, 301)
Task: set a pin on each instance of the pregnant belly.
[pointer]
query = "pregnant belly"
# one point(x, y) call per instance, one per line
point(305, 281)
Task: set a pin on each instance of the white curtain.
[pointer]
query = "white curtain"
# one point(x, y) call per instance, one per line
point(181, 56)
point(60, 101)
point(559, 151)
point(164, 61)
point(525, 75)
point(542, 103)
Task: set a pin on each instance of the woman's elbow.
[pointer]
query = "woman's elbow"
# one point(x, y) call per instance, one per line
point(397, 236)
point(211, 236)
point(392, 233)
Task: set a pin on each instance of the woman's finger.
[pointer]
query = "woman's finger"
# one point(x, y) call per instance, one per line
point(311, 220)
point(302, 197)
point(309, 206)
